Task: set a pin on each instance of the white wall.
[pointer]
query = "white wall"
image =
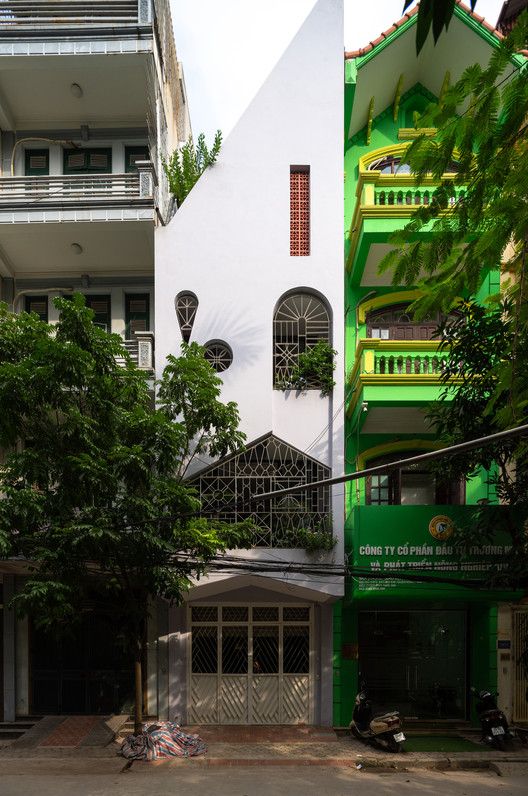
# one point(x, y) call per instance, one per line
point(229, 242)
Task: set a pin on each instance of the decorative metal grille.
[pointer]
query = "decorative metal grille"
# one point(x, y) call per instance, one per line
point(235, 613)
point(296, 657)
point(301, 320)
point(268, 465)
point(219, 355)
point(266, 613)
point(204, 613)
point(251, 672)
point(186, 308)
point(296, 614)
point(299, 213)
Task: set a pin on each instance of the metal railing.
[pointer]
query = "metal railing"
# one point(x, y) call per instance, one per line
point(140, 350)
point(68, 12)
point(48, 189)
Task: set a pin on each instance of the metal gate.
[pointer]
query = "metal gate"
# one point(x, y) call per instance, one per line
point(520, 681)
point(250, 664)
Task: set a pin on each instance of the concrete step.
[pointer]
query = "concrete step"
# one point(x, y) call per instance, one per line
point(11, 730)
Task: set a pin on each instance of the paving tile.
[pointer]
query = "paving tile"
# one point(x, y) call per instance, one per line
point(71, 731)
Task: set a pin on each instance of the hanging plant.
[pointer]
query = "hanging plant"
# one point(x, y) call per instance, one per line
point(315, 369)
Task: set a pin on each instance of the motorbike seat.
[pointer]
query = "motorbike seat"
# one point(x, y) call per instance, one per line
point(490, 712)
point(386, 715)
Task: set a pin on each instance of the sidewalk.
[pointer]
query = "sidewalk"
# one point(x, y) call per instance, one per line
point(89, 737)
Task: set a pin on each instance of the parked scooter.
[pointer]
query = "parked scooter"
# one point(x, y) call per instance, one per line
point(383, 728)
point(495, 730)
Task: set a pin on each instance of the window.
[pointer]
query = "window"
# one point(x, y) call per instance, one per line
point(219, 354)
point(136, 313)
point(101, 307)
point(300, 321)
point(392, 164)
point(266, 465)
point(186, 307)
point(299, 211)
point(133, 154)
point(38, 304)
point(396, 323)
point(36, 161)
point(413, 485)
point(87, 161)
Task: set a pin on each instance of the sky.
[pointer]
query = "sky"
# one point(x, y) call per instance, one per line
point(229, 47)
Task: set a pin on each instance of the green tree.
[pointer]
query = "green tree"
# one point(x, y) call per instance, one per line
point(451, 244)
point(92, 477)
point(469, 407)
point(185, 167)
point(435, 14)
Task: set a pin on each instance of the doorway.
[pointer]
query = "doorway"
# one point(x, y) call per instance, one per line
point(251, 664)
point(415, 662)
point(84, 671)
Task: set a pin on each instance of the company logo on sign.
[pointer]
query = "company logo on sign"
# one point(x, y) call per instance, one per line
point(441, 527)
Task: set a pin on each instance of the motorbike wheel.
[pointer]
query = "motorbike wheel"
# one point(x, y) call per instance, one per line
point(394, 746)
point(355, 732)
point(498, 743)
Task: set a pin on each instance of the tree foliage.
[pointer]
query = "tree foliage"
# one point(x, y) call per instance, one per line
point(451, 244)
point(185, 167)
point(473, 405)
point(92, 476)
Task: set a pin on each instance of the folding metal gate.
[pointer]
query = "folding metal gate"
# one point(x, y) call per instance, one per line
point(520, 680)
point(250, 664)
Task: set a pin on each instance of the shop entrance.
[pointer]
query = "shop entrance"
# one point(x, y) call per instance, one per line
point(85, 671)
point(415, 662)
point(250, 664)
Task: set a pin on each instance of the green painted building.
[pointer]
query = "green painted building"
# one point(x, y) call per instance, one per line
point(417, 646)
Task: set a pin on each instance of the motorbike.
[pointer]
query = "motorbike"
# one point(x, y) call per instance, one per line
point(382, 728)
point(495, 729)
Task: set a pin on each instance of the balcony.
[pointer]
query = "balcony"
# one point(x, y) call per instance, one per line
point(19, 14)
point(384, 203)
point(140, 350)
point(399, 372)
point(27, 199)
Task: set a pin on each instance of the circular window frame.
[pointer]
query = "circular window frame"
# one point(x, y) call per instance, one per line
point(227, 348)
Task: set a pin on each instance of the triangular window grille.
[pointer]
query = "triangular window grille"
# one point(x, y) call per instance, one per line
point(226, 490)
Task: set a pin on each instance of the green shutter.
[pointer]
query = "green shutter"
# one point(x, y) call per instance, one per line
point(133, 154)
point(137, 313)
point(101, 307)
point(36, 161)
point(87, 161)
point(38, 304)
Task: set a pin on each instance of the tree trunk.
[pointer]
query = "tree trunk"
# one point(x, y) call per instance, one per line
point(138, 709)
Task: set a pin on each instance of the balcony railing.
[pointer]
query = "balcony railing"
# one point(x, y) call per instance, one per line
point(17, 13)
point(394, 362)
point(71, 189)
point(140, 350)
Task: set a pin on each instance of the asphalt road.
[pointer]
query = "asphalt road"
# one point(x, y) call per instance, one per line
point(104, 778)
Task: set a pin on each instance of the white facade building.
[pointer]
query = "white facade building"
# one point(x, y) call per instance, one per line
point(252, 262)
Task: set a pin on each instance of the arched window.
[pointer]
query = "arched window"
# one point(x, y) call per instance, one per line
point(393, 164)
point(301, 321)
point(186, 305)
point(412, 485)
point(396, 323)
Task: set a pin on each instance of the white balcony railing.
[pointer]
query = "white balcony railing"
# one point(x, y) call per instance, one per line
point(68, 12)
point(141, 350)
point(72, 189)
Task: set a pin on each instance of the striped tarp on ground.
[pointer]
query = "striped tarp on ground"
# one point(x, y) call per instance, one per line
point(161, 739)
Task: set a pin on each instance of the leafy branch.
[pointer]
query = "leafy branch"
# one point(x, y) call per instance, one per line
point(185, 167)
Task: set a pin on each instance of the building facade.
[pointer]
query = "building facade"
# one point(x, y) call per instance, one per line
point(418, 646)
point(91, 96)
point(253, 260)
